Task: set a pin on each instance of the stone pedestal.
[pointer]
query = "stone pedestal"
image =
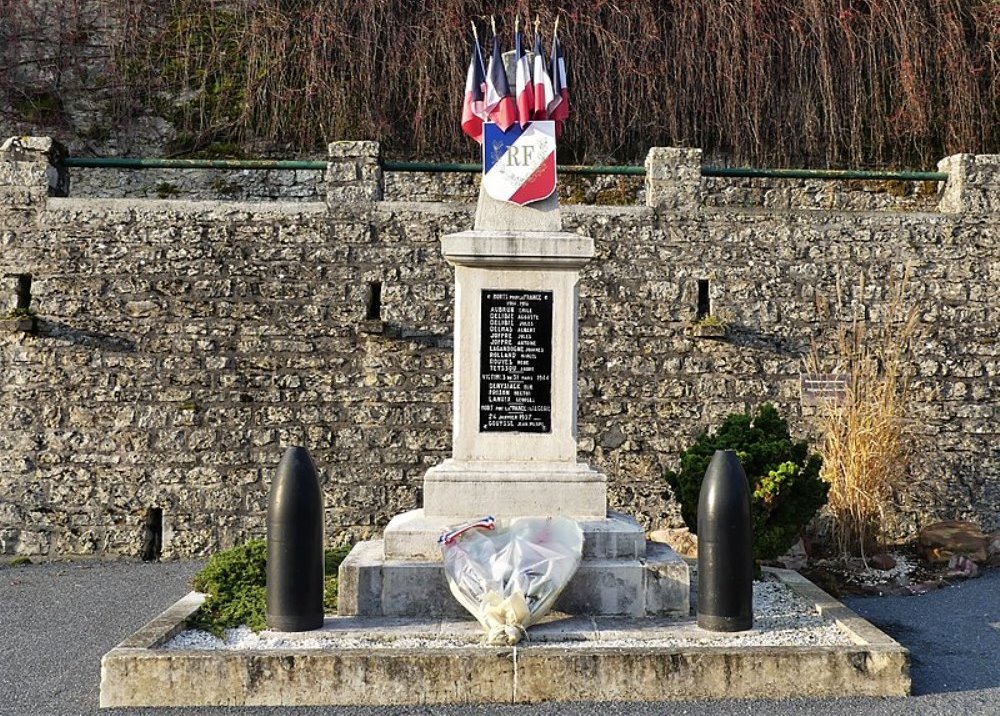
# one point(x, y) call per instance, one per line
point(514, 440)
point(512, 473)
point(652, 583)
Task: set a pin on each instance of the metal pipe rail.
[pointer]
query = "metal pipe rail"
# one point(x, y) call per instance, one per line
point(445, 167)
point(827, 174)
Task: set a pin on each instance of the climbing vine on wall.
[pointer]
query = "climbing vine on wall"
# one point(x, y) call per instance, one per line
point(816, 82)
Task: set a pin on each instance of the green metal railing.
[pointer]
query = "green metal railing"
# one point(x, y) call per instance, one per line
point(436, 167)
point(432, 167)
point(830, 174)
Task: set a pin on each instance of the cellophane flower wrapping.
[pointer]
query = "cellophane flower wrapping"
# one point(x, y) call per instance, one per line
point(509, 576)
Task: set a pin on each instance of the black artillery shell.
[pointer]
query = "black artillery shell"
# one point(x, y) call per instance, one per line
point(725, 547)
point(295, 545)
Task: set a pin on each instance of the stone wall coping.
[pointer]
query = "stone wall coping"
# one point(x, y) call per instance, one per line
point(635, 210)
point(438, 208)
point(433, 208)
point(764, 212)
point(219, 209)
point(210, 209)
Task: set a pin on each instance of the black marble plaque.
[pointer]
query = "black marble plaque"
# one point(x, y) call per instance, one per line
point(515, 362)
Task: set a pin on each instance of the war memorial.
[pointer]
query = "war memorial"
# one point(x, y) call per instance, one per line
point(371, 391)
point(556, 544)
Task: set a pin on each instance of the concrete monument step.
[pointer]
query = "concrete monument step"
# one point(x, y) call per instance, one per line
point(459, 488)
point(414, 535)
point(657, 584)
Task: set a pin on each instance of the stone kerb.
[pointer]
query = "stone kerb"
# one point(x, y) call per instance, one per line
point(354, 173)
point(973, 183)
point(31, 170)
point(673, 178)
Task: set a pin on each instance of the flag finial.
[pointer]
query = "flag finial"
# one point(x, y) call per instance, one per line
point(475, 32)
point(555, 30)
point(493, 22)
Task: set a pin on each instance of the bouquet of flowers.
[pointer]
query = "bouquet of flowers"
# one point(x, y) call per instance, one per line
point(509, 576)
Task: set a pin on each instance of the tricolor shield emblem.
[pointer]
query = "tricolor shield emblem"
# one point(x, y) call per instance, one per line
point(519, 165)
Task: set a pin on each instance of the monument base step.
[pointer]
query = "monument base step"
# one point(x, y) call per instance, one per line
point(414, 535)
point(370, 584)
point(515, 488)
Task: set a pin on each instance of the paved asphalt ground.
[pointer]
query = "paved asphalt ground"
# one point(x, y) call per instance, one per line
point(56, 620)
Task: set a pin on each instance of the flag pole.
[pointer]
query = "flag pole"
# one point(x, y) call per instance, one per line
point(475, 34)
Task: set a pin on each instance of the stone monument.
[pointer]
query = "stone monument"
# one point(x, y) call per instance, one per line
point(514, 441)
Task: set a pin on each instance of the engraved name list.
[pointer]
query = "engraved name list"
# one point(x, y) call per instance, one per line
point(515, 386)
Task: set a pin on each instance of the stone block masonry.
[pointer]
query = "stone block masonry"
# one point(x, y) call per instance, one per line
point(180, 346)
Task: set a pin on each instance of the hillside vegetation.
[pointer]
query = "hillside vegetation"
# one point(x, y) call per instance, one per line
point(769, 82)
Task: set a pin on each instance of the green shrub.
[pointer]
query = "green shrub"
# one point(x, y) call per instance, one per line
point(332, 559)
point(785, 487)
point(235, 581)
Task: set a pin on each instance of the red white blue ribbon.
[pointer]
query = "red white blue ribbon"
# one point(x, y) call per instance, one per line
point(487, 523)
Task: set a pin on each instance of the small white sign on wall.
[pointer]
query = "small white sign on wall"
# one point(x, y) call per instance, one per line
point(824, 388)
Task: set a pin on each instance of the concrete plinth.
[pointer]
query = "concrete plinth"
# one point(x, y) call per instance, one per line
point(437, 661)
point(655, 585)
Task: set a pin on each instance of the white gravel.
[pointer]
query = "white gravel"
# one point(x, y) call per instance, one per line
point(871, 577)
point(781, 618)
point(244, 638)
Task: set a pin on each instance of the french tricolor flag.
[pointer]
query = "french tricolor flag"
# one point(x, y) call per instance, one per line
point(499, 105)
point(523, 90)
point(559, 106)
point(473, 113)
point(541, 83)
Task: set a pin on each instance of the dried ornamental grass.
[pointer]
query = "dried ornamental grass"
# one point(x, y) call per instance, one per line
point(864, 445)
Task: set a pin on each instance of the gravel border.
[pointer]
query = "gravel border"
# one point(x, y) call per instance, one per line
point(782, 617)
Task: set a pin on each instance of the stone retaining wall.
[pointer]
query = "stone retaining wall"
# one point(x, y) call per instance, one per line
point(180, 346)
